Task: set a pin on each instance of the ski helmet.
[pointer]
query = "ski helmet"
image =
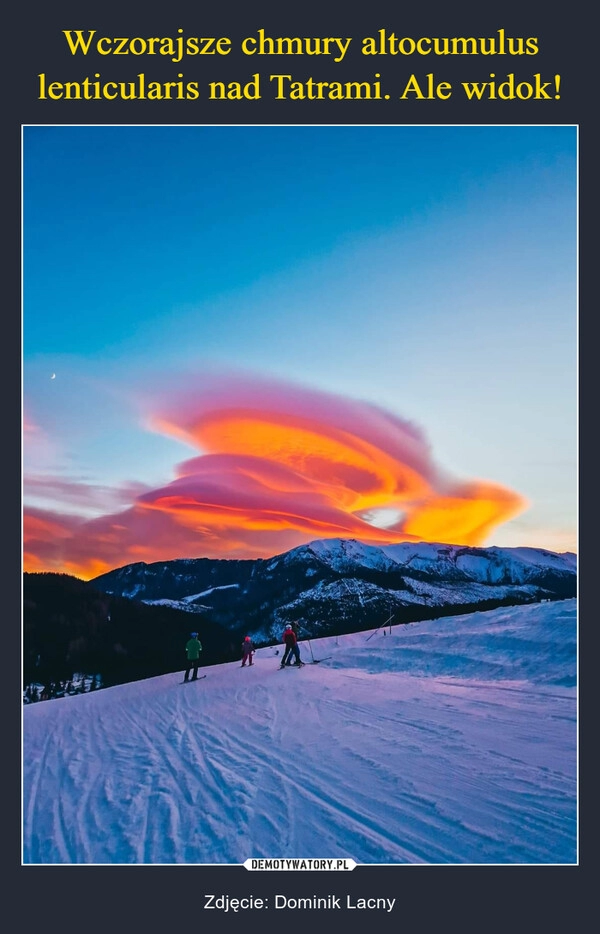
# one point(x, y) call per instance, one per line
point(289, 626)
point(194, 635)
point(247, 639)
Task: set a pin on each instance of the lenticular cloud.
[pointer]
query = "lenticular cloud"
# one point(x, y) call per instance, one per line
point(279, 465)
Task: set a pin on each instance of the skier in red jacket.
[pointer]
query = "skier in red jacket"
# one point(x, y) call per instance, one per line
point(247, 651)
point(291, 648)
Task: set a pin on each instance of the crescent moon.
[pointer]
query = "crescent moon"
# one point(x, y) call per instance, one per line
point(53, 376)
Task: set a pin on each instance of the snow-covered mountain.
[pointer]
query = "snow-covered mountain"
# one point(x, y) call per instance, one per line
point(339, 585)
point(444, 562)
point(190, 603)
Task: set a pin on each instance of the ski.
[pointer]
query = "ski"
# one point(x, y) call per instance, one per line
point(189, 680)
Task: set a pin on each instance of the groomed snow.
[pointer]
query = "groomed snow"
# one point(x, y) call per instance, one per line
point(452, 741)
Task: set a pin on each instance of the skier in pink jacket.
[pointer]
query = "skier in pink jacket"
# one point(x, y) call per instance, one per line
point(247, 651)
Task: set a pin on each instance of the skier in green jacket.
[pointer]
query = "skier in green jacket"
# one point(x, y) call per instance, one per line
point(193, 647)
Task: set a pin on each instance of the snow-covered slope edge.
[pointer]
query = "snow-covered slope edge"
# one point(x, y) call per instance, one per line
point(446, 742)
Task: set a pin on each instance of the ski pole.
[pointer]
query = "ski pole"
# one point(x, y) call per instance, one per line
point(309, 645)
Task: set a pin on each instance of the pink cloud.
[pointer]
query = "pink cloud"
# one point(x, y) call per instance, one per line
point(279, 465)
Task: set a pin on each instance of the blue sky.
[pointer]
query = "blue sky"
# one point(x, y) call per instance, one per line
point(428, 271)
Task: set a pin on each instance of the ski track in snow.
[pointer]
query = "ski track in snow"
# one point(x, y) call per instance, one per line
point(381, 767)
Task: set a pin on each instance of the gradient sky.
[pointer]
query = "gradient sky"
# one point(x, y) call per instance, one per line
point(260, 336)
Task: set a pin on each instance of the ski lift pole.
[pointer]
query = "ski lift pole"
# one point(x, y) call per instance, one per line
point(375, 631)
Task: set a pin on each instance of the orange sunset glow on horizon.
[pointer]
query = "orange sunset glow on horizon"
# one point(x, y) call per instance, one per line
point(277, 466)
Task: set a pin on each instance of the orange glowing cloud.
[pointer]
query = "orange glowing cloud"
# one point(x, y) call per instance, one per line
point(467, 515)
point(277, 466)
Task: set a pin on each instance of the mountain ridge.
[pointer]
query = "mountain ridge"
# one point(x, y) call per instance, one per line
point(335, 585)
